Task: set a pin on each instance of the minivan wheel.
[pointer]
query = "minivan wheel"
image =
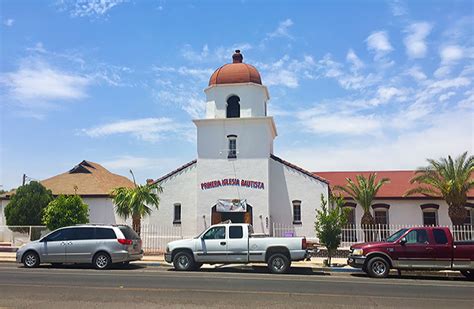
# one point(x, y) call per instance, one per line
point(378, 267)
point(278, 263)
point(183, 261)
point(469, 274)
point(31, 259)
point(102, 260)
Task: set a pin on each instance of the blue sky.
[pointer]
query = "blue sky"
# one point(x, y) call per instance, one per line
point(354, 85)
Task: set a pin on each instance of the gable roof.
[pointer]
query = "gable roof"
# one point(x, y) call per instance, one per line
point(179, 169)
point(86, 179)
point(299, 169)
point(396, 188)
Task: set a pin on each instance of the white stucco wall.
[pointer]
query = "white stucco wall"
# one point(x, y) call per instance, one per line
point(3, 203)
point(178, 188)
point(253, 99)
point(242, 169)
point(102, 211)
point(408, 211)
point(287, 185)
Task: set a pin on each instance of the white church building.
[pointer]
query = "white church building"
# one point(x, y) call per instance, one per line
point(236, 175)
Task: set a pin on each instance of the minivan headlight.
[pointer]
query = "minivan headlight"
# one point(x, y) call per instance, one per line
point(358, 252)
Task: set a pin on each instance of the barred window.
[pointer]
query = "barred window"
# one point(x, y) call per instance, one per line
point(296, 212)
point(177, 213)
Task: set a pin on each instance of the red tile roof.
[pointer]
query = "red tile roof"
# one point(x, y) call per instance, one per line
point(399, 182)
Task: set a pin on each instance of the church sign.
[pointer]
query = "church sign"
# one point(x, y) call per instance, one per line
point(232, 182)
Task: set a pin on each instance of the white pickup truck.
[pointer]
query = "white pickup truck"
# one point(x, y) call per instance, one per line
point(230, 243)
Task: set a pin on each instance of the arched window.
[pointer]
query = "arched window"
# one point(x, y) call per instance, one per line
point(233, 107)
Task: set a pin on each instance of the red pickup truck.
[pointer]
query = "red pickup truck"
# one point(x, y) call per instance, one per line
point(429, 248)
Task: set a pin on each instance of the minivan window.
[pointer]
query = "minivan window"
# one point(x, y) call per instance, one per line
point(55, 236)
point(128, 232)
point(104, 233)
point(235, 232)
point(82, 233)
point(440, 236)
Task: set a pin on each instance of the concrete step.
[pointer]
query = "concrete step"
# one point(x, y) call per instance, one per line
point(8, 249)
point(5, 244)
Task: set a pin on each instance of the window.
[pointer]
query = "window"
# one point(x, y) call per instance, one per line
point(233, 107)
point(128, 232)
point(296, 212)
point(215, 233)
point(232, 151)
point(177, 213)
point(430, 218)
point(82, 233)
point(468, 220)
point(381, 217)
point(55, 236)
point(440, 236)
point(417, 237)
point(236, 232)
point(103, 233)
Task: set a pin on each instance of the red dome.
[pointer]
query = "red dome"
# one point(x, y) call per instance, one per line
point(236, 72)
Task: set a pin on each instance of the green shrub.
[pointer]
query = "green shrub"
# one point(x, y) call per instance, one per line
point(65, 211)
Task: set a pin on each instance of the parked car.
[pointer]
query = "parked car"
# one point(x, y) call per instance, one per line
point(428, 248)
point(235, 244)
point(101, 245)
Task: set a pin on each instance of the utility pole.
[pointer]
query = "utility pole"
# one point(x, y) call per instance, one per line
point(24, 180)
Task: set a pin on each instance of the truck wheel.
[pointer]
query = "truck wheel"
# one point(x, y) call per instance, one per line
point(183, 261)
point(278, 263)
point(469, 274)
point(378, 267)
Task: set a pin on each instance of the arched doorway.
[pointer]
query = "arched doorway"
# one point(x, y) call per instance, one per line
point(235, 217)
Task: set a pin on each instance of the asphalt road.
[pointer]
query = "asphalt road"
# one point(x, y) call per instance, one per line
point(139, 286)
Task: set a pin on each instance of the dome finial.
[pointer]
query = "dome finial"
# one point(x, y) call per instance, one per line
point(237, 57)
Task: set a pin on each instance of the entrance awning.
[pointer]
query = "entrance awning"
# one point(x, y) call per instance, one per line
point(234, 205)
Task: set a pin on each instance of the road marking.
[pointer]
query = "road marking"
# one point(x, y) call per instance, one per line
point(219, 275)
point(214, 291)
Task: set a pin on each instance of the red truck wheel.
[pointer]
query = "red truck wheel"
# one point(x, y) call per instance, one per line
point(378, 267)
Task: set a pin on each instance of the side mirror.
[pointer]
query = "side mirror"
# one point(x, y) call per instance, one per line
point(403, 241)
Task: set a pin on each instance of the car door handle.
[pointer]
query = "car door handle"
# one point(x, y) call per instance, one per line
point(69, 243)
point(223, 243)
point(62, 243)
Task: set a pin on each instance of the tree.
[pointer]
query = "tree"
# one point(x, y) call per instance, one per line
point(449, 179)
point(329, 223)
point(27, 204)
point(136, 202)
point(363, 192)
point(65, 211)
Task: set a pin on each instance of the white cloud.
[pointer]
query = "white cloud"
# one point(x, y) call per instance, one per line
point(415, 40)
point(416, 73)
point(451, 53)
point(354, 60)
point(147, 129)
point(379, 42)
point(408, 150)
point(88, 8)
point(189, 54)
point(398, 8)
point(38, 81)
point(282, 30)
point(9, 22)
point(282, 77)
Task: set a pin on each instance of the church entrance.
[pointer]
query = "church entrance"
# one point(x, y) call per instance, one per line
point(235, 217)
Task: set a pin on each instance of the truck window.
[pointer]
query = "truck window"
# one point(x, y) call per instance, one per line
point(215, 233)
point(417, 237)
point(440, 236)
point(236, 232)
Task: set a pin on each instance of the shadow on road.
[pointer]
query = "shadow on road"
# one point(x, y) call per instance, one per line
point(412, 276)
point(259, 270)
point(89, 266)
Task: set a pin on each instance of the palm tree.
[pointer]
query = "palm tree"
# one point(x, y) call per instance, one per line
point(136, 202)
point(449, 179)
point(363, 192)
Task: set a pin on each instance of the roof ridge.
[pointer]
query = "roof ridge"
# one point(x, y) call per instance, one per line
point(302, 170)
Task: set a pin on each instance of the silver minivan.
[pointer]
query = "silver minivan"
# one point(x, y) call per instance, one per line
point(101, 245)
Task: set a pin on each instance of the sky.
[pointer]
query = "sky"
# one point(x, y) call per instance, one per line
point(354, 85)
